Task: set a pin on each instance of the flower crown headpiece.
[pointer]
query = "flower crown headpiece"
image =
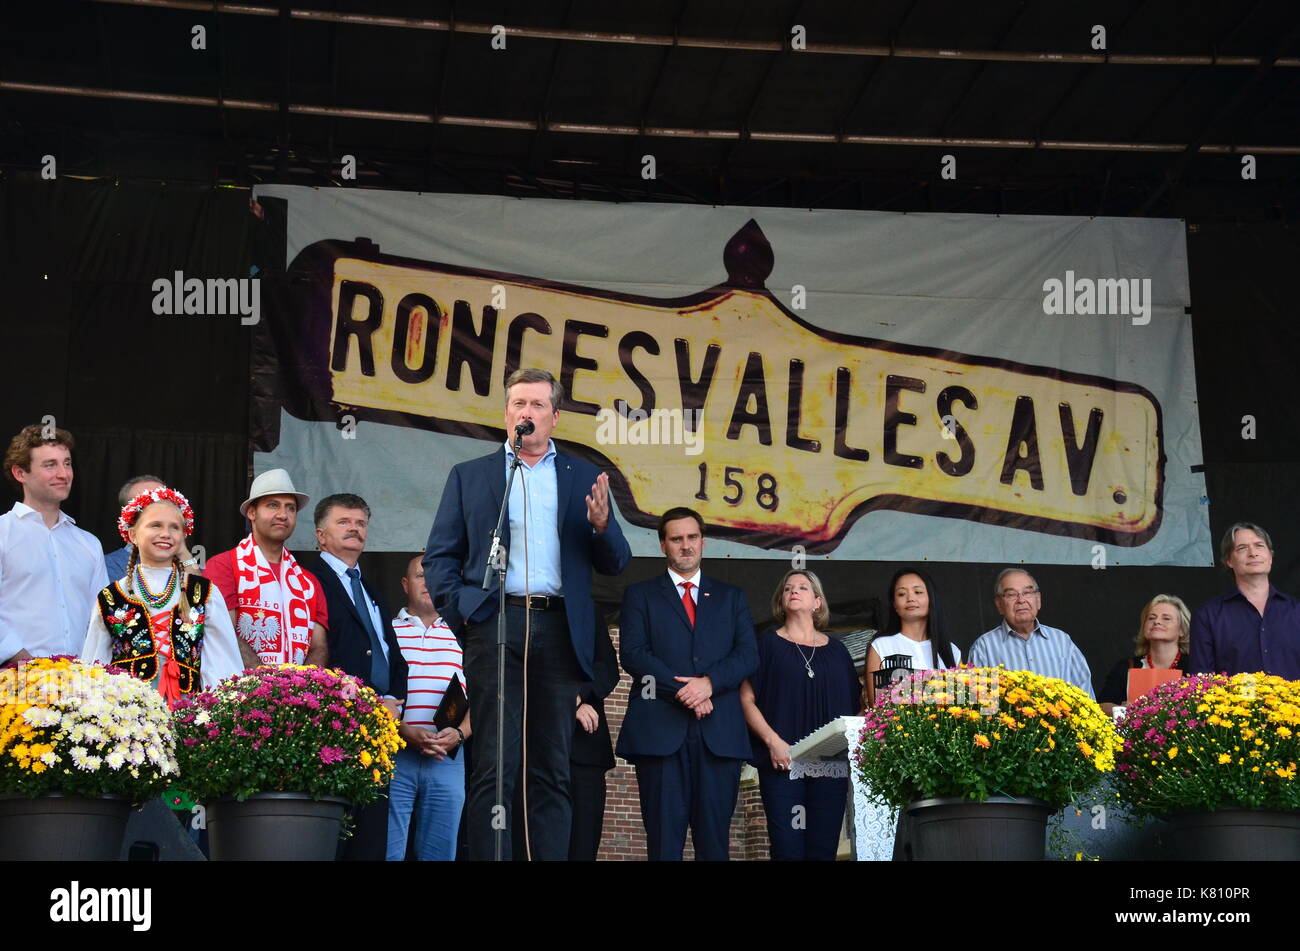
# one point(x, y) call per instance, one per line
point(131, 511)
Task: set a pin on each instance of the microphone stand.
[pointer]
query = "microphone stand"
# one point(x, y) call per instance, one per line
point(497, 561)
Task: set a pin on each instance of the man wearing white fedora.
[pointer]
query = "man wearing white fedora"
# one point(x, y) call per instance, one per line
point(276, 605)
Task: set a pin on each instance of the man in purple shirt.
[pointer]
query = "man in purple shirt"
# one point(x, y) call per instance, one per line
point(1254, 627)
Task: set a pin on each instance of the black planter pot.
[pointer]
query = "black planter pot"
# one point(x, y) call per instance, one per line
point(275, 826)
point(1000, 829)
point(60, 828)
point(1234, 835)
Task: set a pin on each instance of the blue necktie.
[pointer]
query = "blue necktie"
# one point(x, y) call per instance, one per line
point(378, 665)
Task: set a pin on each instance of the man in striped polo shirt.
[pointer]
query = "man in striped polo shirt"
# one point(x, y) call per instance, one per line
point(429, 784)
point(1020, 642)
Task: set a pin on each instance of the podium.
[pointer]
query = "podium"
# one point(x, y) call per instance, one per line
point(825, 752)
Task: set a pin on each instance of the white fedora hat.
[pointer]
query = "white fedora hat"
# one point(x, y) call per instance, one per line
point(272, 482)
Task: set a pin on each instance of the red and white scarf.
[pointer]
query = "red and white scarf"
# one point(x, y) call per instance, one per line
point(274, 615)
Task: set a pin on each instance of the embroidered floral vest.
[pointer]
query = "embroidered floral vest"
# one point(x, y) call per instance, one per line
point(131, 636)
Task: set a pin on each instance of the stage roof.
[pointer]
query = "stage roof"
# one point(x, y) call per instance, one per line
point(766, 102)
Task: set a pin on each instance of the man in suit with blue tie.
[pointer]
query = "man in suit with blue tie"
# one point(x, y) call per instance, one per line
point(688, 642)
point(559, 527)
point(361, 641)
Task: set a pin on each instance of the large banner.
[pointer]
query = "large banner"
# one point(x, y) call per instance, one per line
point(847, 384)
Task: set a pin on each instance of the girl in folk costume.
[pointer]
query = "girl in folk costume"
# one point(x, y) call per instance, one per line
point(159, 623)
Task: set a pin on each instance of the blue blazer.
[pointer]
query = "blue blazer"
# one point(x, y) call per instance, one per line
point(461, 538)
point(657, 641)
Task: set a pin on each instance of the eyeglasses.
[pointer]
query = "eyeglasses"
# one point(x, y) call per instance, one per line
point(1011, 594)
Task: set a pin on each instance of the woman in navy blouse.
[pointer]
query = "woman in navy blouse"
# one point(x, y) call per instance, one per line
point(805, 679)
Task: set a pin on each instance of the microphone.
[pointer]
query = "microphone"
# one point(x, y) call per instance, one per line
point(525, 428)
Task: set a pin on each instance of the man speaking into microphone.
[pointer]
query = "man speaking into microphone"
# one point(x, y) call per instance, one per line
point(558, 528)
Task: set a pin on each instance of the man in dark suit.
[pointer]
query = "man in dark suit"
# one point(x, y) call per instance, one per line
point(559, 528)
point(688, 642)
point(361, 641)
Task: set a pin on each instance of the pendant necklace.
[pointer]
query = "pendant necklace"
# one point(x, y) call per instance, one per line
point(807, 661)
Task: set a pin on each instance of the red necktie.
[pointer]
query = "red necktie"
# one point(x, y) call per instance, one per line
point(688, 602)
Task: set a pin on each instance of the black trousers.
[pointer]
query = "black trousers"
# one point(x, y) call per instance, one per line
point(804, 816)
point(691, 787)
point(554, 680)
point(587, 793)
point(587, 785)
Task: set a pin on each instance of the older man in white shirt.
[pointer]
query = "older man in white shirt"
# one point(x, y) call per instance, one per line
point(50, 570)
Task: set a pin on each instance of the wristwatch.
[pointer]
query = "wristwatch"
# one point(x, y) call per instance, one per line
point(460, 734)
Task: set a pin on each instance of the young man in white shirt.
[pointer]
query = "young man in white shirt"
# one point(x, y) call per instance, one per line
point(50, 570)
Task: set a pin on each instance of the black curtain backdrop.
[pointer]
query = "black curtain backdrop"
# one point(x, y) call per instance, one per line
point(170, 395)
point(139, 392)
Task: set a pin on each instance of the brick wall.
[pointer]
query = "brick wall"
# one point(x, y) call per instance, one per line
point(624, 834)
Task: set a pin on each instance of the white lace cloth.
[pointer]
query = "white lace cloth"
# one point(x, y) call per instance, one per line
point(873, 825)
point(815, 770)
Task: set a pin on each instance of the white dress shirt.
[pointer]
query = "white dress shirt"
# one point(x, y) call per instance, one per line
point(340, 568)
point(49, 578)
point(693, 579)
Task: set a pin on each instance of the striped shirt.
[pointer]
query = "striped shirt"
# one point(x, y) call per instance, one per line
point(434, 656)
point(1047, 651)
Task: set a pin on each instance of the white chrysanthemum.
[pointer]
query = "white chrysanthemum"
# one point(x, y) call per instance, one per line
point(155, 753)
point(41, 716)
point(115, 760)
point(78, 755)
point(202, 718)
point(92, 763)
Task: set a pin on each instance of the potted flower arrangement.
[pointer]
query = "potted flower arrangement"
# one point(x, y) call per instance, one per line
point(981, 757)
point(78, 745)
point(1216, 756)
point(277, 753)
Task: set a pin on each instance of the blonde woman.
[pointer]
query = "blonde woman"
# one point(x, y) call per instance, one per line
point(1162, 643)
point(805, 679)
